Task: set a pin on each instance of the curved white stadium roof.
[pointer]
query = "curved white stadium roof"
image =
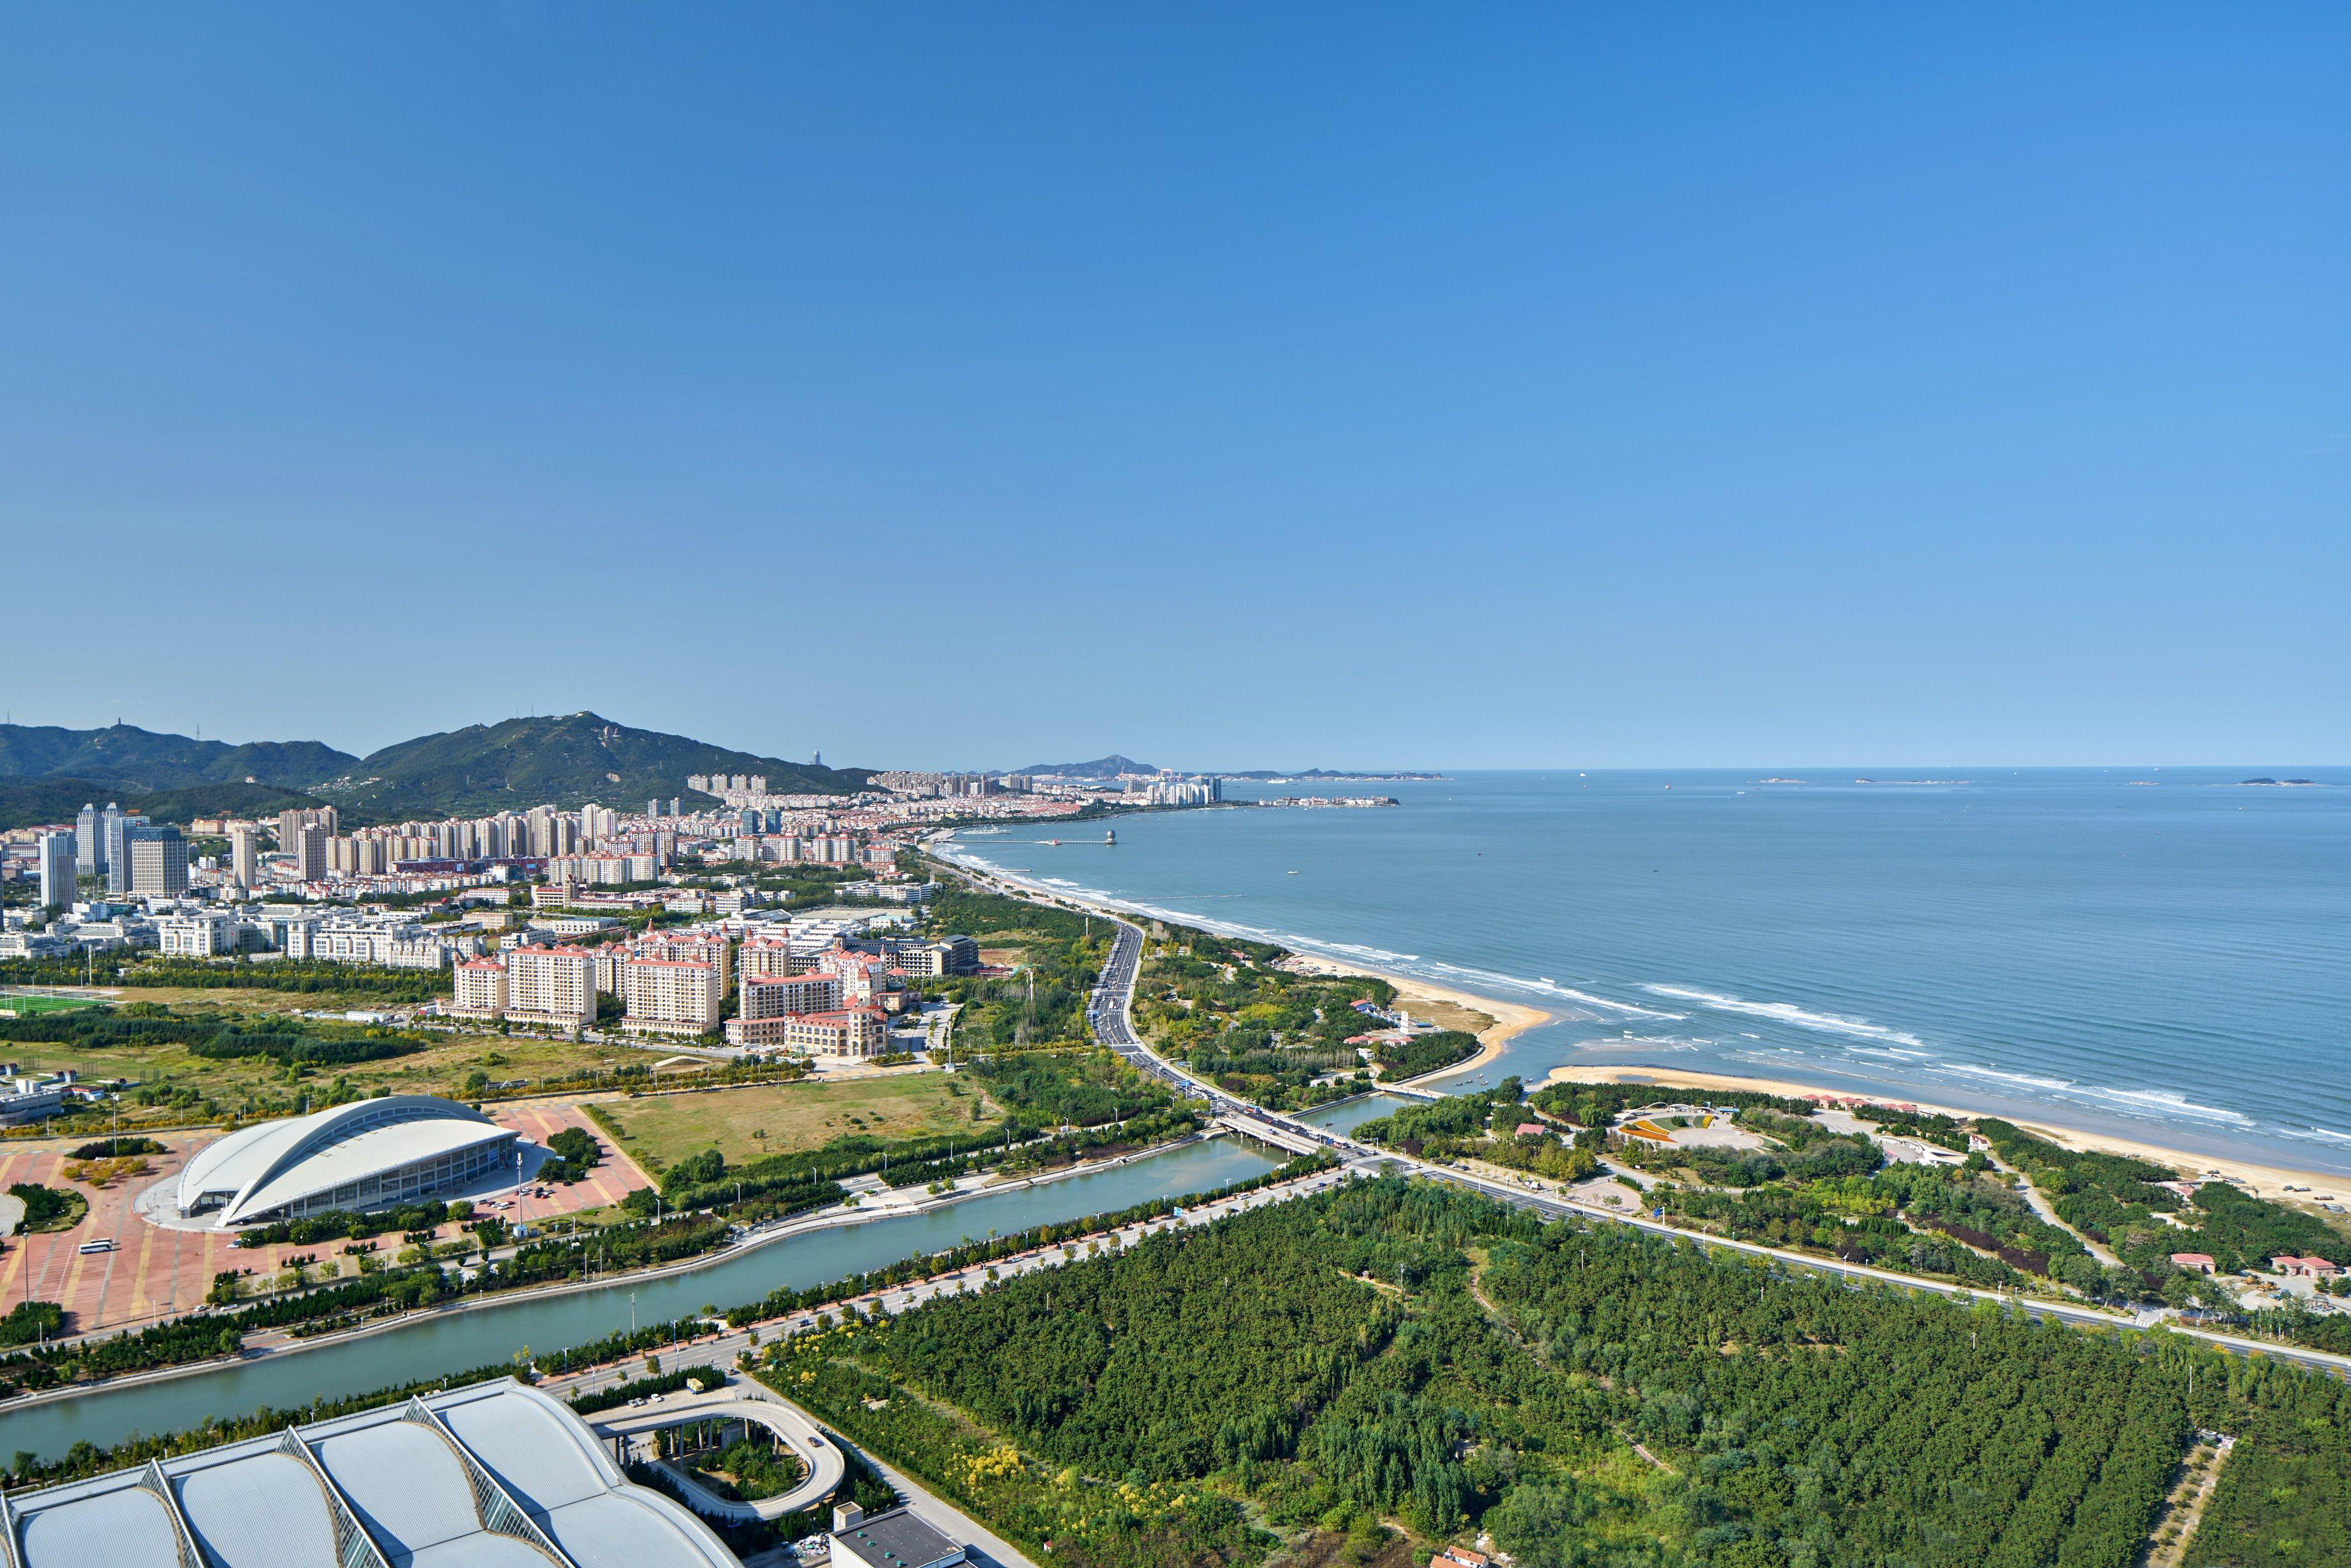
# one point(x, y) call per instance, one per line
point(259, 1168)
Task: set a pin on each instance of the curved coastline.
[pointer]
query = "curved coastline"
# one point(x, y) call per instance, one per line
point(1509, 1020)
point(2265, 1176)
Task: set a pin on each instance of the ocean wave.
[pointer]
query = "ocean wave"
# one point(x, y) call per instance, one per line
point(1547, 987)
point(1643, 1042)
point(1790, 1013)
point(2169, 1103)
point(2163, 1104)
point(2028, 1080)
point(1372, 954)
point(2314, 1134)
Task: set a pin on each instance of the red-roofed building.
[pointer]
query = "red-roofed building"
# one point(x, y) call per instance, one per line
point(852, 1034)
point(553, 985)
point(2195, 1262)
point(769, 1003)
point(481, 990)
point(2304, 1268)
point(671, 996)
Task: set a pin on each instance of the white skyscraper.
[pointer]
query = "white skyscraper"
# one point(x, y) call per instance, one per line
point(242, 858)
point(57, 869)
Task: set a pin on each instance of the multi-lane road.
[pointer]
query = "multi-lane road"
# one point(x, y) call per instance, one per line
point(1111, 1011)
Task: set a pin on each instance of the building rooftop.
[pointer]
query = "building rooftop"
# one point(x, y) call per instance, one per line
point(895, 1539)
point(274, 1163)
point(494, 1475)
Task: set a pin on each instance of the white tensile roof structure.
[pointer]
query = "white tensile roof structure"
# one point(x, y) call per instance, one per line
point(496, 1476)
point(262, 1168)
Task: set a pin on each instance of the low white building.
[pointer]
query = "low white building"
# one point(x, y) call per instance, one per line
point(368, 1153)
point(201, 934)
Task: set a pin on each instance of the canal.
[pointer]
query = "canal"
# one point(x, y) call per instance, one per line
point(455, 1342)
point(1349, 1114)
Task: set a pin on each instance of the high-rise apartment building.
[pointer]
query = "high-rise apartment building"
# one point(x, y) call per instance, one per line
point(309, 847)
point(158, 862)
point(244, 855)
point(551, 986)
point(114, 825)
point(481, 990)
point(87, 845)
point(57, 868)
point(670, 997)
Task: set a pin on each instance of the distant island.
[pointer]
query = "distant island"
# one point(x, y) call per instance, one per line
point(1116, 766)
point(1111, 766)
point(2282, 783)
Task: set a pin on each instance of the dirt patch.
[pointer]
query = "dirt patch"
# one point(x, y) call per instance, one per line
point(1330, 1549)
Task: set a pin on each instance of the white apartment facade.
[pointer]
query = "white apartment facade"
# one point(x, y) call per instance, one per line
point(552, 986)
point(481, 990)
point(199, 935)
point(668, 996)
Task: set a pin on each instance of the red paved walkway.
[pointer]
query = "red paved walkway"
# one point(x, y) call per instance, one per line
point(156, 1271)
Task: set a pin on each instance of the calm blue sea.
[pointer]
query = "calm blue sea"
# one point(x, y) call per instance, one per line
point(2163, 954)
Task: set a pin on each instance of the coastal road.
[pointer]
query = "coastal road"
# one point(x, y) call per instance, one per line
point(1113, 1016)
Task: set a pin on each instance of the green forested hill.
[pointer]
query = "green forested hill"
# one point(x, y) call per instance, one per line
point(27, 802)
point(126, 757)
point(513, 765)
point(565, 761)
point(1591, 1396)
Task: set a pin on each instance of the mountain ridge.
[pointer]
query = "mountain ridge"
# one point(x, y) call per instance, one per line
point(1109, 767)
point(563, 760)
point(126, 756)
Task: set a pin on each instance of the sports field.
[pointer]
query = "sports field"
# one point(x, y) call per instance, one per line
point(33, 1004)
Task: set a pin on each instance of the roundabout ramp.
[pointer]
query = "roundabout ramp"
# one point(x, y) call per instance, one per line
point(826, 1467)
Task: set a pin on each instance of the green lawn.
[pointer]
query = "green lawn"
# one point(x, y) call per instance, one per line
point(33, 1004)
point(771, 1119)
point(256, 1084)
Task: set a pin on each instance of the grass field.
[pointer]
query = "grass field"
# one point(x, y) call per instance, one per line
point(242, 1085)
point(657, 1133)
point(244, 999)
point(33, 1004)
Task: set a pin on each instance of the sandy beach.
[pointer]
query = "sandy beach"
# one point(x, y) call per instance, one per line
point(1495, 1023)
point(1506, 1021)
point(2265, 1180)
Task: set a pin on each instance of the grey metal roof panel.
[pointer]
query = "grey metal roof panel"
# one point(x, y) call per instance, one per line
point(632, 1529)
point(265, 1512)
point(534, 1453)
point(408, 1491)
point(124, 1524)
point(482, 1552)
point(257, 1504)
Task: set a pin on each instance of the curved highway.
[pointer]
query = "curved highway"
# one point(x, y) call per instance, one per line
point(1111, 1014)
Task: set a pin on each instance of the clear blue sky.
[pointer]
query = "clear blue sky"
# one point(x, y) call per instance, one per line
point(1229, 385)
